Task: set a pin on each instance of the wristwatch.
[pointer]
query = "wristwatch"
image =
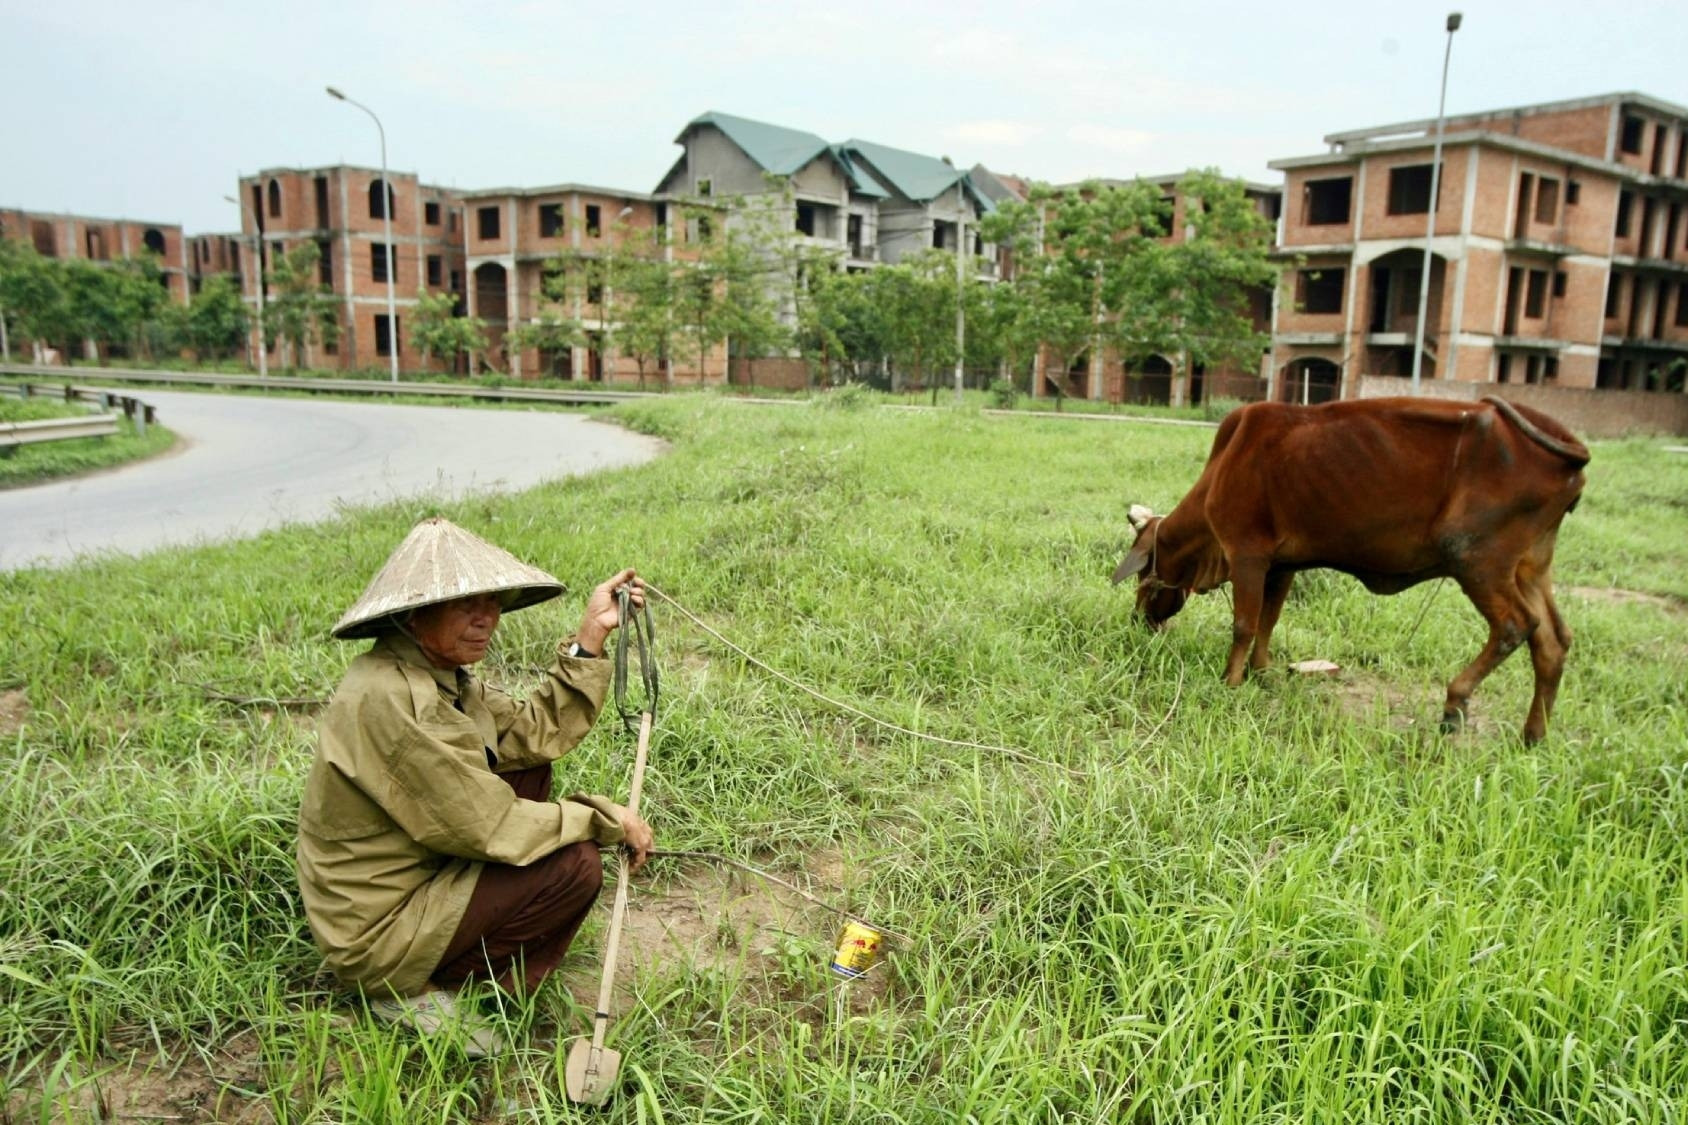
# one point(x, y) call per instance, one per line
point(575, 649)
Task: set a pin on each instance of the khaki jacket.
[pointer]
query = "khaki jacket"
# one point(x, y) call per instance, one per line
point(402, 807)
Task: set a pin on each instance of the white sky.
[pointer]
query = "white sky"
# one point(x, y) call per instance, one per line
point(152, 110)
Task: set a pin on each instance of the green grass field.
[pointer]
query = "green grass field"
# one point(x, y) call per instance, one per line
point(1293, 901)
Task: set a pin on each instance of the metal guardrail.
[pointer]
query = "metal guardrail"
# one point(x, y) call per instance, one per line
point(56, 429)
point(337, 386)
point(14, 434)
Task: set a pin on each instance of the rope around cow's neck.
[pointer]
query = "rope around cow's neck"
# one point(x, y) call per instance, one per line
point(1005, 751)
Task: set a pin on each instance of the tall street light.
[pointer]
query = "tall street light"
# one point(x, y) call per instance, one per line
point(388, 256)
point(1430, 223)
point(258, 277)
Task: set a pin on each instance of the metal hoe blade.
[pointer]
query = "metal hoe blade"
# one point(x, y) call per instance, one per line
point(591, 1072)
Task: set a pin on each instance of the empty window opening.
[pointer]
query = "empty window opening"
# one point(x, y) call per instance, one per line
point(451, 221)
point(1326, 202)
point(1660, 134)
point(1671, 227)
point(1630, 141)
point(486, 219)
point(275, 199)
point(704, 187)
point(322, 202)
point(1514, 278)
point(380, 199)
point(1320, 291)
point(1272, 206)
point(385, 332)
point(1649, 206)
point(325, 261)
point(97, 246)
point(41, 233)
point(661, 216)
point(1661, 298)
point(1558, 283)
point(1409, 189)
point(1167, 213)
point(1503, 370)
point(456, 281)
point(1521, 219)
point(704, 230)
point(434, 267)
point(1682, 304)
point(257, 207)
point(1547, 200)
point(594, 220)
point(1626, 204)
point(853, 234)
point(594, 293)
point(380, 258)
point(1550, 369)
point(806, 219)
point(1573, 193)
point(1682, 155)
point(550, 220)
point(153, 240)
point(1613, 296)
point(1535, 297)
point(431, 213)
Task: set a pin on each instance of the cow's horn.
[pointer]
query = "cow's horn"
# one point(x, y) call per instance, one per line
point(1139, 515)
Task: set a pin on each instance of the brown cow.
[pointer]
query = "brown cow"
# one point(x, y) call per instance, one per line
point(1393, 491)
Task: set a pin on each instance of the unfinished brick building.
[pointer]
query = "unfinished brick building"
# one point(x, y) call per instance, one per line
point(1560, 252)
point(101, 240)
point(512, 236)
point(342, 209)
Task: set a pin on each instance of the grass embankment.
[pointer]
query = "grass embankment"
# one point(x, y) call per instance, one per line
point(1291, 901)
point(35, 464)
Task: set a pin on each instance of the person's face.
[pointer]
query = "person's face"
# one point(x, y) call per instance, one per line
point(452, 634)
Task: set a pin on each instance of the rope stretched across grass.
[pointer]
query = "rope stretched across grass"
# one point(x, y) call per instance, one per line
point(1005, 751)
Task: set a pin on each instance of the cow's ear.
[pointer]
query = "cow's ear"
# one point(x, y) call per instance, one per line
point(1134, 562)
point(1139, 515)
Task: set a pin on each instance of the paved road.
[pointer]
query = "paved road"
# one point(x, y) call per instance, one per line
point(248, 464)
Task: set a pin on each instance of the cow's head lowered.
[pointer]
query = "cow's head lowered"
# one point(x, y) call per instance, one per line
point(1158, 598)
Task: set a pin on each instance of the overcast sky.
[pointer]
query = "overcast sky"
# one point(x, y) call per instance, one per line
point(153, 110)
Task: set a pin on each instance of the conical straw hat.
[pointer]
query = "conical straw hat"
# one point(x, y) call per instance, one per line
point(439, 561)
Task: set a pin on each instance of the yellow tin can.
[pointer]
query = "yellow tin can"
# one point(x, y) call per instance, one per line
point(858, 950)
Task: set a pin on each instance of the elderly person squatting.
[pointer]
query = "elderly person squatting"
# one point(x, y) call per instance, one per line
point(430, 850)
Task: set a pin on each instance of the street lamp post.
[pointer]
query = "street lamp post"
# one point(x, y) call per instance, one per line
point(1430, 223)
point(388, 256)
point(258, 279)
point(960, 287)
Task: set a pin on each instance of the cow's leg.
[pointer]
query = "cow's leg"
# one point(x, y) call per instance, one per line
point(1549, 643)
point(1510, 625)
point(1271, 605)
point(1248, 592)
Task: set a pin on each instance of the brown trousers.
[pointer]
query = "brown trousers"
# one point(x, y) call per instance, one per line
point(520, 920)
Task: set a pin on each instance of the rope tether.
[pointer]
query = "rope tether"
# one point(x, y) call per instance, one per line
point(1006, 751)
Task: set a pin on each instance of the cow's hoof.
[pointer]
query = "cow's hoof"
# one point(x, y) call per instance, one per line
point(1452, 722)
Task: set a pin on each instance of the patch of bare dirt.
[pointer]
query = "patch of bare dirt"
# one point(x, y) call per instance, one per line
point(14, 711)
point(149, 1087)
point(1612, 595)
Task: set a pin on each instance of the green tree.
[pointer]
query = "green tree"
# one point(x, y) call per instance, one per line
point(1194, 302)
point(646, 327)
point(914, 309)
point(437, 330)
point(34, 306)
point(300, 311)
point(216, 319)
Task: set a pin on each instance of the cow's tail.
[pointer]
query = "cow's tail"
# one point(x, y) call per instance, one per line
point(1565, 446)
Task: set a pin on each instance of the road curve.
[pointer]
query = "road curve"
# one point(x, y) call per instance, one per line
point(250, 463)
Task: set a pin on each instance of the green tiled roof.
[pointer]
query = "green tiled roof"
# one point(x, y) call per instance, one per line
point(777, 149)
point(861, 180)
point(919, 178)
